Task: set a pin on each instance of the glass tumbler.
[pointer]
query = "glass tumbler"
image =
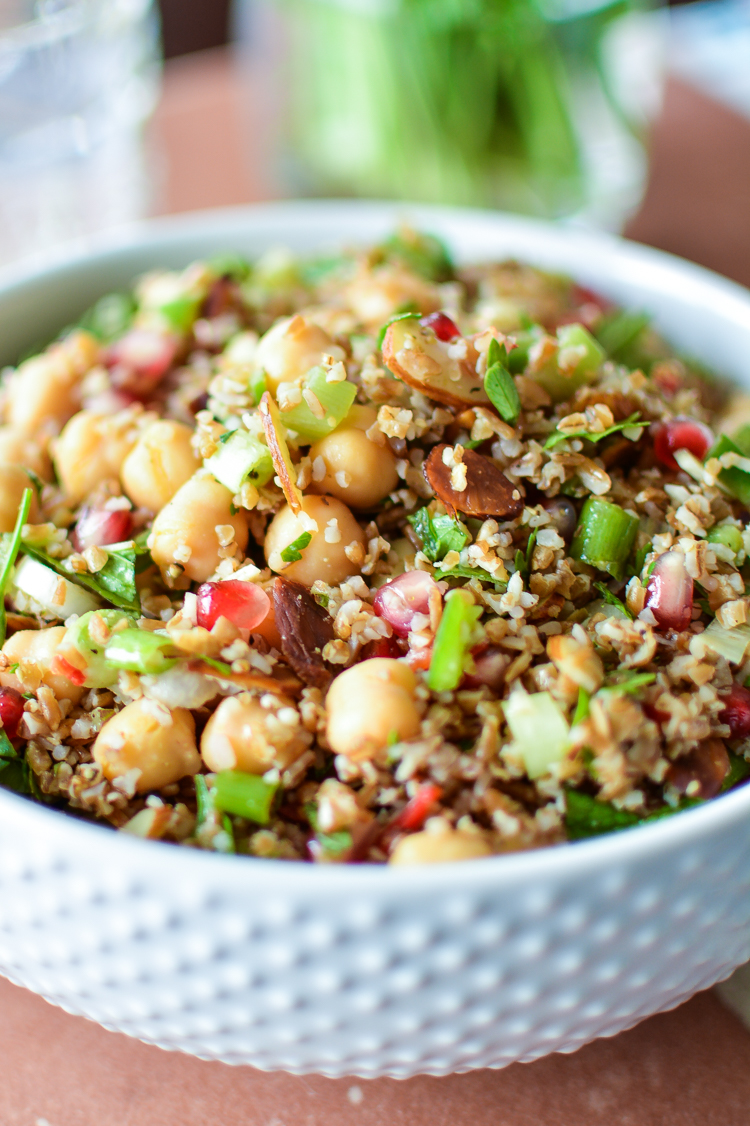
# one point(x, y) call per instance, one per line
point(537, 106)
point(78, 78)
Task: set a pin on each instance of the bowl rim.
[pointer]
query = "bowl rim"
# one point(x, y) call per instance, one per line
point(568, 859)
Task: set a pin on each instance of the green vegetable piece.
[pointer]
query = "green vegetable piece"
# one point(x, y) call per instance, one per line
point(605, 536)
point(452, 641)
point(619, 331)
point(204, 801)
point(110, 317)
point(518, 357)
point(728, 535)
point(334, 844)
point(425, 254)
point(640, 557)
point(244, 795)
point(735, 480)
point(612, 599)
point(739, 770)
point(181, 311)
point(140, 651)
point(476, 573)
point(293, 553)
point(408, 316)
point(7, 750)
point(741, 439)
point(576, 362)
point(558, 436)
point(629, 683)
point(229, 265)
point(334, 398)
point(439, 533)
point(539, 729)
point(258, 386)
point(241, 457)
point(10, 548)
point(586, 816)
point(499, 385)
point(99, 672)
point(115, 583)
point(582, 707)
point(15, 775)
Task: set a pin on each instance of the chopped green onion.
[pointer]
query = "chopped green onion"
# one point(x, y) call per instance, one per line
point(293, 553)
point(241, 457)
point(576, 362)
point(630, 683)
point(258, 385)
point(335, 401)
point(452, 641)
point(140, 651)
point(559, 436)
point(582, 707)
point(499, 385)
point(727, 535)
point(612, 599)
point(99, 672)
point(539, 729)
point(10, 551)
point(735, 480)
point(605, 536)
point(728, 643)
point(410, 315)
point(439, 533)
point(244, 795)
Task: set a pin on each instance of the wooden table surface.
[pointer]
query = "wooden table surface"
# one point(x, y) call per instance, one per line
point(686, 1068)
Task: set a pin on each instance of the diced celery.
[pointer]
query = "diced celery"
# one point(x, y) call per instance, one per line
point(244, 795)
point(99, 672)
point(335, 400)
point(605, 536)
point(727, 535)
point(51, 594)
point(539, 729)
point(735, 480)
point(728, 643)
point(575, 363)
point(452, 641)
point(140, 651)
point(241, 457)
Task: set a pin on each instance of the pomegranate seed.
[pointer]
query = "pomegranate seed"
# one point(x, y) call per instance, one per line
point(489, 668)
point(403, 597)
point(97, 527)
point(443, 327)
point(244, 604)
point(139, 360)
point(700, 773)
point(736, 712)
point(669, 594)
point(682, 434)
point(11, 710)
point(414, 814)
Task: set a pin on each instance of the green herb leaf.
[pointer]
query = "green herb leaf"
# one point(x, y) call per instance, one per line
point(630, 683)
point(557, 436)
point(582, 707)
point(586, 816)
point(293, 552)
point(739, 770)
point(244, 795)
point(115, 583)
point(7, 750)
point(462, 572)
point(612, 599)
point(425, 254)
point(439, 533)
point(10, 547)
point(229, 265)
point(110, 317)
point(15, 775)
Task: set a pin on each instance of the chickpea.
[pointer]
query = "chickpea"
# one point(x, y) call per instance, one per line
point(43, 392)
point(138, 738)
point(321, 559)
point(242, 735)
point(91, 449)
point(185, 532)
point(368, 704)
point(290, 348)
point(160, 463)
point(13, 481)
point(440, 848)
point(16, 448)
point(359, 471)
point(33, 650)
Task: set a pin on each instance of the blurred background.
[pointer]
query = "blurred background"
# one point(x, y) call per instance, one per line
point(621, 114)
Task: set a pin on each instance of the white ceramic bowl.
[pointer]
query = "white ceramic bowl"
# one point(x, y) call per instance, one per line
point(367, 970)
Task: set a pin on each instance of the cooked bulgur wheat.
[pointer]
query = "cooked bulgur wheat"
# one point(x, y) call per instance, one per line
point(371, 558)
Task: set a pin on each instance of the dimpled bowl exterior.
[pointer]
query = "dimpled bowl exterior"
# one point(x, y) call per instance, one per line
point(365, 970)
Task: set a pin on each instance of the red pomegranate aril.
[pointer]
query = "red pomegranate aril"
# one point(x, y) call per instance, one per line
point(415, 812)
point(400, 599)
point(669, 594)
point(139, 360)
point(736, 712)
point(11, 710)
point(441, 324)
point(681, 434)
point(246, 605)
point(97, 527)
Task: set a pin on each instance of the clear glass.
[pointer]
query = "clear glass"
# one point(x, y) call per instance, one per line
point(537, 106)
point(78, 78)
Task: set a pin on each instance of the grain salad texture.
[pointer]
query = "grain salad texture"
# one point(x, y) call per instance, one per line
point(371, 558)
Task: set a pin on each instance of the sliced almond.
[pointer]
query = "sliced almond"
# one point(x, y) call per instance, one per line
point(282, 462)
point(281, 685)
point(488, 491)
point(415, 355)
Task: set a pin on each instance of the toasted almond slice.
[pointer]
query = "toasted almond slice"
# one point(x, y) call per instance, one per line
point(415, 356)
point(488, 491)
point(286, 682)
point(282, 462)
